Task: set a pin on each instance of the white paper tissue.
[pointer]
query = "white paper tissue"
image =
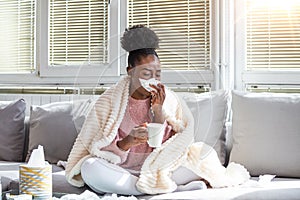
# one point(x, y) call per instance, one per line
point(37, 158)
point(92, 196)
point(146, 83)
point(265, 179)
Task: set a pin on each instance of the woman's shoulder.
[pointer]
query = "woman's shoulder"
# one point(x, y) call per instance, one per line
point(116, 89)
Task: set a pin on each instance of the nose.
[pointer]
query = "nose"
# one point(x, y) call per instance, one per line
point(157, 77)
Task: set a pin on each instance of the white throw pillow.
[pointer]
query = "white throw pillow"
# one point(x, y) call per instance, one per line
point(266, 133)
point(210, 112)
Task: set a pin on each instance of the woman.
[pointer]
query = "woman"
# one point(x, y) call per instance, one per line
point(111, 153)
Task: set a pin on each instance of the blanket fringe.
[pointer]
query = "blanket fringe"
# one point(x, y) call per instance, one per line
point(203, 160)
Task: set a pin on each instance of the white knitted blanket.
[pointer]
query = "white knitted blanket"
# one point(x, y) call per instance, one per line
point(101, 127)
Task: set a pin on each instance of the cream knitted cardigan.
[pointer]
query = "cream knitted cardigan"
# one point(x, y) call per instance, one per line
point(101, 127)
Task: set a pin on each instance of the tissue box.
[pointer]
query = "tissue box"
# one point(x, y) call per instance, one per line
point(36, 181)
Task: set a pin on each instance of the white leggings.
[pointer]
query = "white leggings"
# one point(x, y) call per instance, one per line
point(102, 177)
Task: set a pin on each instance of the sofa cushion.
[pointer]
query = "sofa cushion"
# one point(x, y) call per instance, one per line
point(210, 112)
point(55, 126)
point(12, 134)
point(266, 133)
point(61, 185)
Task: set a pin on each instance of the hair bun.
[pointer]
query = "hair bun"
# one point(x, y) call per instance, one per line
point(139, 37)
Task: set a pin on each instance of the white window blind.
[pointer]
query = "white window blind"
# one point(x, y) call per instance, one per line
point(17, 35)
point(78, 32)
point(183, 28)
point(273, 35)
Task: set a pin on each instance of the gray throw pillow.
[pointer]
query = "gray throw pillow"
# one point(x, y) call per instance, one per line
point(55, 126)
point(12, 134)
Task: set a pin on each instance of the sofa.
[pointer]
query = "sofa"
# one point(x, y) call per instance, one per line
point(259, 130)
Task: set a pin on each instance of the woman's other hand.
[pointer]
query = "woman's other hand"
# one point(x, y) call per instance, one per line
point(137, 136)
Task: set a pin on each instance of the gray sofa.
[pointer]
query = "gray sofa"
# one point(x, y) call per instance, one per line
point(260, 131)
point(51, 125)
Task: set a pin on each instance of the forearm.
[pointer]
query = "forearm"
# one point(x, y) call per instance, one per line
point(158, 114)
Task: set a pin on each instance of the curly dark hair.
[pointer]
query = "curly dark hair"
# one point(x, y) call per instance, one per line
point(139, 41)
point(139, 37)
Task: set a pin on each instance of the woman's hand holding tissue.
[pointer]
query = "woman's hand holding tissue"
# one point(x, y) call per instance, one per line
point(157, 101)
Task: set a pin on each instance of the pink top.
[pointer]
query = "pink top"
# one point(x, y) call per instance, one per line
point(137, 113)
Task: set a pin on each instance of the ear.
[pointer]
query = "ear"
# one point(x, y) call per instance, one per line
point(129, 69)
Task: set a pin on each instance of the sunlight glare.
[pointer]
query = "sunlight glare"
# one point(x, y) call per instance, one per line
point(123, 180)
point(276, 4)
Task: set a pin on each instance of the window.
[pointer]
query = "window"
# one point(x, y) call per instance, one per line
point(78, 32)
point(271, 51)
point(17, 36)
point(78, 41)
point(184, 30)
point(55, 38)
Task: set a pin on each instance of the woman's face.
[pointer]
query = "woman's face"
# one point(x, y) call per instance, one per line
point(148, 67)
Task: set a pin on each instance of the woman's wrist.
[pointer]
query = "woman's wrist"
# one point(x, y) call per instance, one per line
point(158, 114)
